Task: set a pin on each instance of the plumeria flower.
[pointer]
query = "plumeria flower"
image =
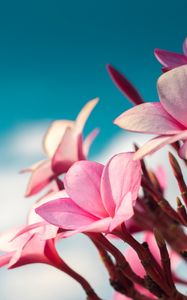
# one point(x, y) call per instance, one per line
point(167, 118)
point(63, 144)
point(171, 60)
point(99, 198)
point(26, 249)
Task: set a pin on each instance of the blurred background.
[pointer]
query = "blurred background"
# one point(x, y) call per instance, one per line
point(53, 57)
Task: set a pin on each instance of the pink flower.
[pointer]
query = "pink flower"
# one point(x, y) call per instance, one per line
point(100, 197)
point(167, 118)
point(171, 60)
point(26, 249)
point(63, 145)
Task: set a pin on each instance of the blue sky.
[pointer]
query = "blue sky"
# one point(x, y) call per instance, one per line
point(53, 56)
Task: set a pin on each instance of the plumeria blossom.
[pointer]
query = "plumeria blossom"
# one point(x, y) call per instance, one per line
point(171, 60)
point(27, 248)
point(99, 197)
point(63, 144)
point(166, 119)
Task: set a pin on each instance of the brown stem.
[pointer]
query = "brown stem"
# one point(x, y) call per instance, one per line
point(106, 259)
point(56, 261)
point(159, 199)
point(165, 259)
point(181, 210)
point(119, 257)
point(179, 176)
point(148, 262)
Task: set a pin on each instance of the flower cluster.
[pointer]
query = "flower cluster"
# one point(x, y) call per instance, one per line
point(116, 200)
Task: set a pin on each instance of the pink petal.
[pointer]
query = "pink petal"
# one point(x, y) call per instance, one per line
point(66, 153)
point(97, 226)
point(124, 85)
point(28, 229)
point(8, 243)
point(40, 177)
point(120, 176)
point(65, 213)
point(33, 167)
point(148, 118)
point(185, 47)
point(170, 59)
point(173, 93)
point(84, 114)
point(123, 213)
point(54, 135)
point(32, 252)
point(89, 140)
point(157, 143)
point(33, 218)
point(82, 184)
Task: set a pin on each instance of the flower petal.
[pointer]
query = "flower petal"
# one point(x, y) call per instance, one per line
point(148, 118)
point(124, 85)
point(173, 93)
point(124, 212)
point(120, 176)
point(40, 177)
point(32, 217)
point(32, 252)
point(10, 243)
point(82, 184)
point(155, 144)
point(97, 226)
point(84, 114)
point(67, 152)
point(65, 213)
point(89, 140)
point(170, 59)
point(54, 135)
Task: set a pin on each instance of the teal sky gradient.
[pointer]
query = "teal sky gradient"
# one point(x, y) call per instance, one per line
point(53, 56)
